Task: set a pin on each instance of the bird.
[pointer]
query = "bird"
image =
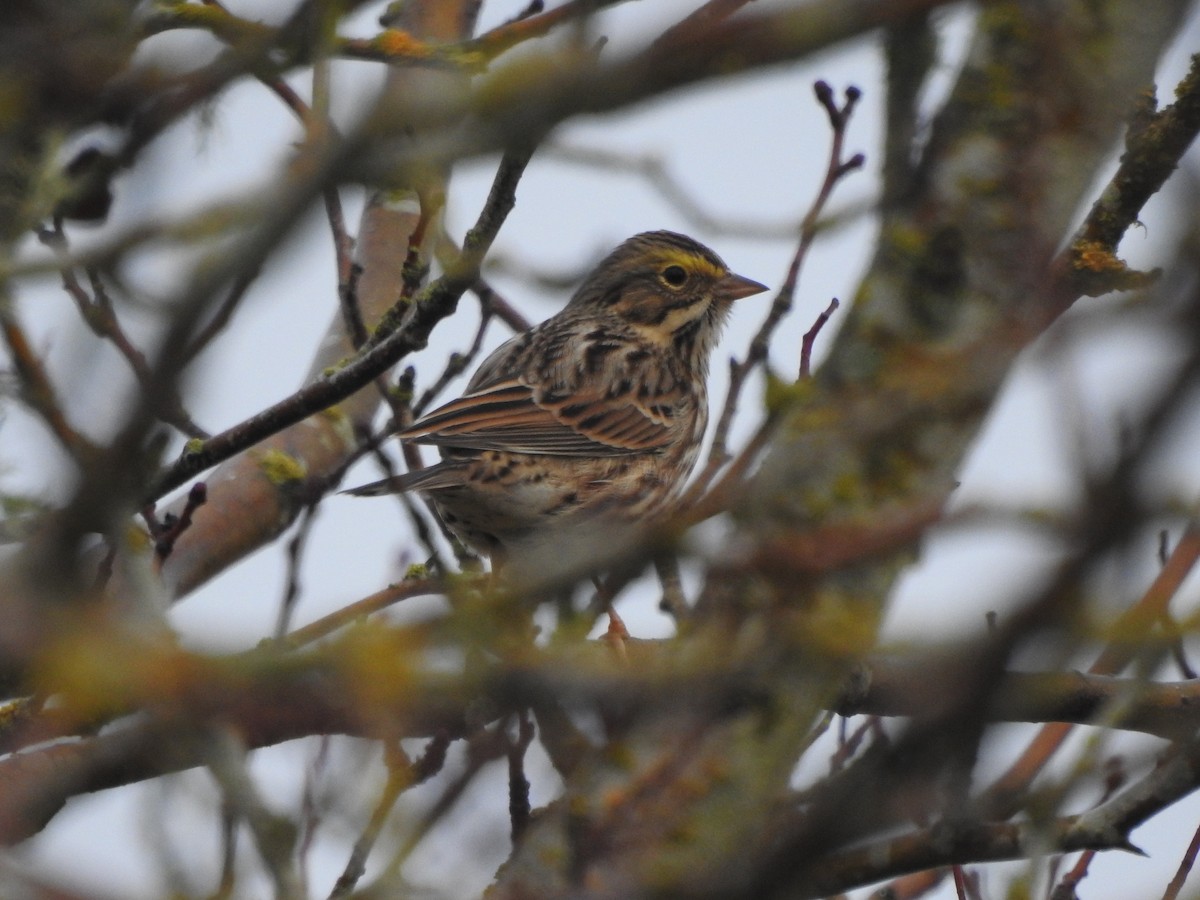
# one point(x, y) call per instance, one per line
point(573, 434)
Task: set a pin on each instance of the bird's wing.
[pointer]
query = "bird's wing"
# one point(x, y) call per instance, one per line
point(512, 416)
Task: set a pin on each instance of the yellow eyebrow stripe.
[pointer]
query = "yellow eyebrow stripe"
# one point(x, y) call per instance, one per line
point(690, 261)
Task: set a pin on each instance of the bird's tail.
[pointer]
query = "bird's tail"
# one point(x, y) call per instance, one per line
point(442, 475)
point(394, 485)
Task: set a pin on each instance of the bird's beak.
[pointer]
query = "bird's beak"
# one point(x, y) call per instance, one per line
point(735, 287)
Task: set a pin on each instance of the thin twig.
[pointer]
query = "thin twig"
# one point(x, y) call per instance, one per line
point(411, 506)
point(97, 312)
point(166, 533)
point(319, 127)
point(532, 23)
point(295, 556)
point(1066, 888)
point(348, 301)
point(836, 169)
point(310, 812)
point(960, 884)
point(656, 174)
point(274, 837)
point(402, 417)
point(848, 744)
point(672, 602)
point(1168, 621)
point(387, 346)
point(518, 783)
point(482, 747)
point(1131, 626)
point(220, 319)
point(360, 609)
point(701, 19)
point(492, 303)
point(455, 365)
point(1185, 869)
point(402, 775)
point(38, 391)
point(490, 300)
point(697, 508)
point(810, 337)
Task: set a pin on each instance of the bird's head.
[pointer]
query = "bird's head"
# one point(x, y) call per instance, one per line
point(671, 289)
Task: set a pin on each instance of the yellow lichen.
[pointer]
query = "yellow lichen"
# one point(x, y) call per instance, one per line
point(281, 468)
point(11, 711)
point(1099, 270)
point(905, 239)
point(847, 487)
point(137, 540)
point(1095, 257)
point(780, 395)
point(837, 626)
point(396, 42)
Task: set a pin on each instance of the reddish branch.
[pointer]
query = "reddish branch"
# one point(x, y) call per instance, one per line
point(810, 337)
point(455, 365)
point(354, 612)
point(836, 169)
point(167, 532)
point(1185, 868)
point(1132, 628)
point(701, 19)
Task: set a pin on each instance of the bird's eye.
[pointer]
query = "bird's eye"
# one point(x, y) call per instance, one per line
point(674, 275)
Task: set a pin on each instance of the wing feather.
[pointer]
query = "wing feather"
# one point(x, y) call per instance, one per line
point(571, 414)
point(510, 416)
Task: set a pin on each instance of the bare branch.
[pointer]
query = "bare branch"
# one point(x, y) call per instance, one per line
point(389, 344)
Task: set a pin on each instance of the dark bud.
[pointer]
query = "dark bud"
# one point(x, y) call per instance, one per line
point(90, 197)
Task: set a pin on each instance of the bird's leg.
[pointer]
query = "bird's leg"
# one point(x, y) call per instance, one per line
point(673, 602)
point(617, 633)
point(498, 560)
